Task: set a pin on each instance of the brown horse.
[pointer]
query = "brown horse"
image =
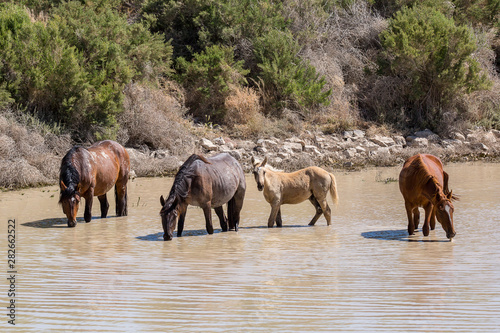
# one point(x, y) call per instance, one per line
point(206, 183)
point(423, 183)
point(93, 172)
point(280, 188)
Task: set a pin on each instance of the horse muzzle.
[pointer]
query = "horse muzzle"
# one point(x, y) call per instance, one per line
point(71, 223)
point(450, 235)
point(260, 187)
point(167, 237)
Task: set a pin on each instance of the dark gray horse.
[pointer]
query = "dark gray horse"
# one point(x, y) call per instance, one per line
point(206, 183)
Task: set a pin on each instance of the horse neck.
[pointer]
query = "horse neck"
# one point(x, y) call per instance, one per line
point(71, 171)
point(432, 187)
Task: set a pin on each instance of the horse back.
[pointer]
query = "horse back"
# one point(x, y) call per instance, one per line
point(110, 164)
point(416, 173)
point(216, 179)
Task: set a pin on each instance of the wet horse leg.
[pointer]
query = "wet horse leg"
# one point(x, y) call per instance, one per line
point(180, 222)
point(121, 198)
point(89, 196)
point(234, 207)
point(326, 210)
point(279, 221)
point(409, 213)
point(207, 211)
point(103, 200)
point(222, 218)
point(428, 214)
point(416, 217)
point(433, 221)
point(275, 208)
point(319, 211)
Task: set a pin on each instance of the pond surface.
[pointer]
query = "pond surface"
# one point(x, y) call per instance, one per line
point(363, 273)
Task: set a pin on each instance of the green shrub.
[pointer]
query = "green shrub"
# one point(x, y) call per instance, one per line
point(208, 78)
point(193, 25)
point(73, 68)
point(285, 78)
point(426, 47)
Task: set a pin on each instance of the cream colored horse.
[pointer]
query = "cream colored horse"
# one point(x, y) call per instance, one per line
point(280, 188)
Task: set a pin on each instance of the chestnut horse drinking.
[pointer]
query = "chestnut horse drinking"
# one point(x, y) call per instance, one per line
point(280, 188)
point(206, 183)
point(423, 183)
point(93, 172)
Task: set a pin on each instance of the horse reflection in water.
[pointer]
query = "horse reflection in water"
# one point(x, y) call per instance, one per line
point(280, 188)
point(206, 183)
point(86, 173)
point(423, 183)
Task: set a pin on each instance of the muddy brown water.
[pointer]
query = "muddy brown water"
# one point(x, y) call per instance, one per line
point(363, 273)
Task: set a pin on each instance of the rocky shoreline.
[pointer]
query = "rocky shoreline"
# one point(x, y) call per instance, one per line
point(350, 150)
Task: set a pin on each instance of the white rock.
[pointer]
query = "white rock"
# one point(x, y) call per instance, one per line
point(219, 141)
point(383, 141)
point(457, 136)
point(208, 145)
point(418, 143)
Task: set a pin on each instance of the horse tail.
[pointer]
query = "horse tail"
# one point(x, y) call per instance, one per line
point(333, 189)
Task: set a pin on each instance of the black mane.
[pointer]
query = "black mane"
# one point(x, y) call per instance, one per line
point(182, 182)
point(69, 175)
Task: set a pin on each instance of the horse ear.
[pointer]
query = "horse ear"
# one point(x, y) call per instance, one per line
point(264, 161)
point(253, 161)
point(162, 201)
point(450, 195)
point(63, 187)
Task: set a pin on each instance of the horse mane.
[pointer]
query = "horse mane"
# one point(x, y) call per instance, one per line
point(273, 169)
point(423, 175)
point(69, 175)
point(182, 182)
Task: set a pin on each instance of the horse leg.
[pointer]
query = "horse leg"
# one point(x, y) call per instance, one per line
point(234, 207)
point(222, 218)
point(88, 205)
point(319, 211)
point(275, 208)
point(279, 221)
point(326, 210)
point(180, 222)
point(121, 198)
point(208, 218)
point(428, 213)
point(409, 213)
point(433, 221)
point(104, 205)
point(416, 217)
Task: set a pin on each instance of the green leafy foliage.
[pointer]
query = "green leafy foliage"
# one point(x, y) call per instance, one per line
point(286, 77)
point(208, 79)
point(72, 68)
point(425, 46)
point(193, 25)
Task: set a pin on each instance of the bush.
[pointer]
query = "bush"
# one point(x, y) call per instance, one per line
point(286, 79)
point(426, 47)
point(207, 80)
point(72, 69)
point(194, 25)
point(154, 118)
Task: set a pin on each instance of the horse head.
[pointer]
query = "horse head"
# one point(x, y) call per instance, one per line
point(259, 172)
point(69, 200)
point(443, 208)
point(168, 215)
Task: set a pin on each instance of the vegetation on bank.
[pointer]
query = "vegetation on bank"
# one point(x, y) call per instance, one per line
point(144, 72)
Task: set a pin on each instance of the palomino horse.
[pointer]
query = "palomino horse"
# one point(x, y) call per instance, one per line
point(280, 188)
point(206, 183)
point(93, 172)
point(423, 183)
